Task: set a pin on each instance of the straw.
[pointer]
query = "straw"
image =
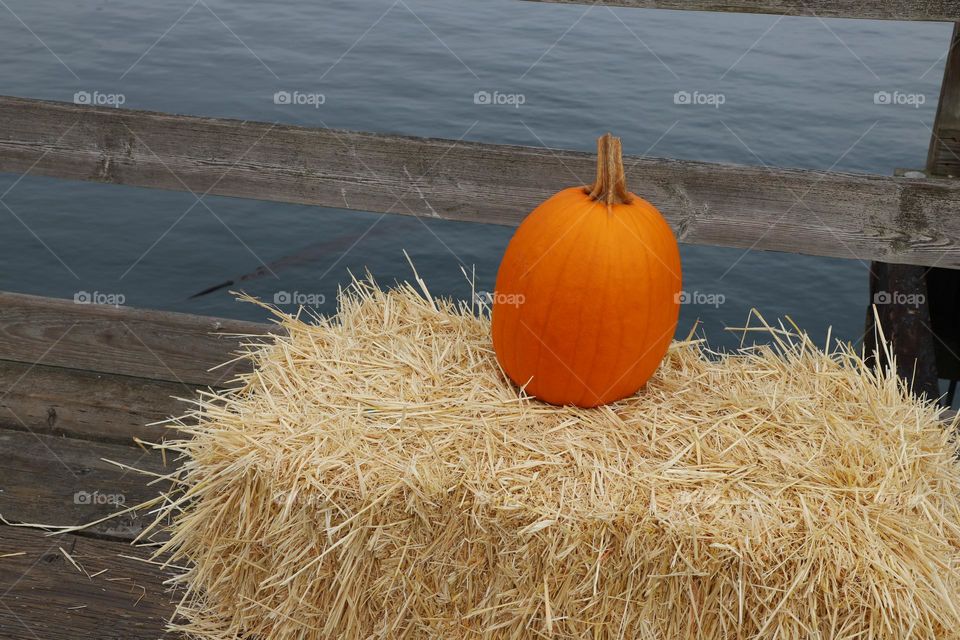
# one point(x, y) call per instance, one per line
point(376, 476)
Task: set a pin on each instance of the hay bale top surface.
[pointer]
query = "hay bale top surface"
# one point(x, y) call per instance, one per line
point(378, 476)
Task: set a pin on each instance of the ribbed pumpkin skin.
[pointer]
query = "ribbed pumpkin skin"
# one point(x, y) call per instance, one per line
point(586, 299)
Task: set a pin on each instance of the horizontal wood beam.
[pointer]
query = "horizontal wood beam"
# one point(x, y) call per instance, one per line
point(894, 219)
point(65, 482)
point(158, 345)
point(86, 404)
point(45, 596)
point(932, 10)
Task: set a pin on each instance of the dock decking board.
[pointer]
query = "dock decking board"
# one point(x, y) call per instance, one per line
point(157, 345)
point(85, 404)
point(41, 476)
point(104, 373)
point(38, 589)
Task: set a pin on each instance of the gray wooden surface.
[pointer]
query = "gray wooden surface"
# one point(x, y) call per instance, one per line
point(173, 347)
point(938, 10)
point(68, 482)
point(894, 219)
point(45, 596)
point(88, 405)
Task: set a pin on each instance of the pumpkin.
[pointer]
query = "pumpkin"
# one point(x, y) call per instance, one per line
point(587, 294)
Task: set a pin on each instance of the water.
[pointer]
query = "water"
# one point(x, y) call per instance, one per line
point(797, 93)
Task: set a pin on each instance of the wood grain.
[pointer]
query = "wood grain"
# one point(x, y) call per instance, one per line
point(894, 219)
point(158, 345)
point(41, 591)
point(67, 482)
point(944, 155)
point(87, 405)
point(937, 10)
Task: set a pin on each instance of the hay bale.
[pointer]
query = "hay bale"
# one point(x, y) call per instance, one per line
point(377, 477)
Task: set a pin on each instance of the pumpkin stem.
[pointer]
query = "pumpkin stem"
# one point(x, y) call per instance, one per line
point(610, 187)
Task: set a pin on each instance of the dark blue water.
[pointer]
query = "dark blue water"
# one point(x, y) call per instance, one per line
point(796, 92)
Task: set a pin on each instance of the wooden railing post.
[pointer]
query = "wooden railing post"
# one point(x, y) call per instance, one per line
point(916, 305)
point(943, 160)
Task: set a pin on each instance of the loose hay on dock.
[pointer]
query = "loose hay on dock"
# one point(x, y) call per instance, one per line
point(376, 476)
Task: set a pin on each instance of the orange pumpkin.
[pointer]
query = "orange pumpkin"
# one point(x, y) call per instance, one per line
point(586, 300)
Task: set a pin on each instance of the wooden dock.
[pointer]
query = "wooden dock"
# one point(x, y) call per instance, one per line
point(79, 383)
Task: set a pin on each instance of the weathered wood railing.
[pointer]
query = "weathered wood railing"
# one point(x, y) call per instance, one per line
point(901, 220)
point(78, 382)
point(931, 10)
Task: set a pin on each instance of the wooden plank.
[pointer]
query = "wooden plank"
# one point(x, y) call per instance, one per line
point(158, 345)
point(894, 219)
point(83, 404)
point(936, 10)
point(943, 158)
point(66, 482)
point(41, 592)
